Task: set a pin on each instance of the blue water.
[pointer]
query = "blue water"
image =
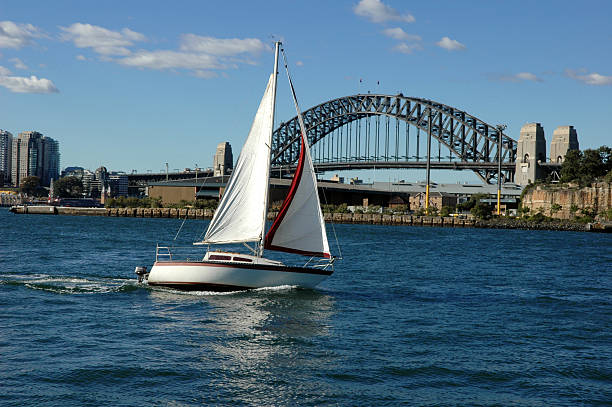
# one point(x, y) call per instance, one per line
point(412, 316)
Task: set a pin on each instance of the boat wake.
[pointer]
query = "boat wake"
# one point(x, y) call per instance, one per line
point(280, 288)
point(69, 284)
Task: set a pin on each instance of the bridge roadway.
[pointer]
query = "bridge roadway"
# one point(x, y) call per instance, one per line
point(142, 179)
point(145, 178)
point(439, 165)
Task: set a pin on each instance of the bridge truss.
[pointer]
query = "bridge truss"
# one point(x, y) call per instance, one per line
point(373, 131)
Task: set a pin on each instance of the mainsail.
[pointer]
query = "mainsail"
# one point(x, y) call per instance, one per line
point(243, 206)
point(299, 226)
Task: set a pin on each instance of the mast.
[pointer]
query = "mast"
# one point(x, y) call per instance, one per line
point(277, 45)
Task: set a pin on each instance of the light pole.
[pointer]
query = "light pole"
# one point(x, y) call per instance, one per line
point(428, 159)
point(166, 172)
point(196, 169)
point(500, 129)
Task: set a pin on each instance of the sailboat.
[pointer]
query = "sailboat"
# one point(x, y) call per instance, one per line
point(240, 218)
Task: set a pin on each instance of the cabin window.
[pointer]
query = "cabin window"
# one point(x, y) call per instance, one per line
point(219, 257)
point(242, 259)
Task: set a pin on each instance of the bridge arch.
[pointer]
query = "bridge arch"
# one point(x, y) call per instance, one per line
point(471, 142)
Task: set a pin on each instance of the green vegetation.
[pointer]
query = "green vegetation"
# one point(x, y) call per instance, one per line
point(554, 208)
point(585, 167)
point(68, 187)
point(331, 208)
point(400, 209)
point(432, 211)
point(373, 209)
point(469, 204)
point(446, 210)
point(481, 211)
point(31, 187)
point(123, 202)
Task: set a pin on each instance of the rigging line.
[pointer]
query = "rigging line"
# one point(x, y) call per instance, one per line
point(333, 227)
point(201, 237)
point(303, 130)
point(179, 231)
point(181, 227)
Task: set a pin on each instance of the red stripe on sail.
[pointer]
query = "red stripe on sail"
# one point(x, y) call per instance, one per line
point(296, 251)
point(292, 191)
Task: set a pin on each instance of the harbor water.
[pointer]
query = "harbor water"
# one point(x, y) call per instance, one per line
point(412, 316)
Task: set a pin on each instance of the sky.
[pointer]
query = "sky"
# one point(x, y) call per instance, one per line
point(134, 84)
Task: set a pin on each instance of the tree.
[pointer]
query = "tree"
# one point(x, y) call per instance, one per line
point(68, 187)
point(468, 205)
point(445, 211)
point(586, 166)
point(591, 167)
point(605, 154)
point(31, 186)
point(570, 169)
point(554, 208)
point(573, 209)
point(432, 211)
point(481, 211)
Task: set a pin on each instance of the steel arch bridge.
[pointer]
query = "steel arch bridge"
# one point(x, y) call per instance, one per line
point(342, 136)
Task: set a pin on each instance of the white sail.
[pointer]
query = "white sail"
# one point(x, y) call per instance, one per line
point(299, 226)
point(243, 205)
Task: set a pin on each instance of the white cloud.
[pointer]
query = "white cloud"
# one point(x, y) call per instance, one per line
point(519, 77)
point(450, 45)
point(399, 34)
point(13, 35)
point(205, 74)
point(19, 84)
point(593, 78)
point(407, 48)
point(299, 63)
point(164, 59)
point(100, 39)
point(527, 76)
point(221, 46)
point(4, 71)
point(18, 63)
point(199, 54)
point(378, 12)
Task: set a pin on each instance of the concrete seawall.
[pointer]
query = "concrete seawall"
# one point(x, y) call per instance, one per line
point(359, 218)
point(366, 218)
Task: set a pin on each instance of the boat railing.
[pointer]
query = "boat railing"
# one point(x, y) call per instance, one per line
point(322, 263)
point(178, 253)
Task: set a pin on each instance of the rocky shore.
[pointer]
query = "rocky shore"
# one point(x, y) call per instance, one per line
point(360, 218)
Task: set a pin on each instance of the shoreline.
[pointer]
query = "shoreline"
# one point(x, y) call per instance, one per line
point(351, 218)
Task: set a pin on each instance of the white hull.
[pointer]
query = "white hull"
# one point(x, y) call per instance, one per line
point(213, 276)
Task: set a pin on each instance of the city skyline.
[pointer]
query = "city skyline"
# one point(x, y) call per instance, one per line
point(133, 86)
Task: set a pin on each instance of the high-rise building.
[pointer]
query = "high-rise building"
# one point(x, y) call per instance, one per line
point(6, 146)
point(50, 161)
point(25, 156)
point(34, 155)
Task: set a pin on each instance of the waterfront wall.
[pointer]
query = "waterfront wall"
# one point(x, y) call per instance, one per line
point(368, 218)
point(597, 197)
point(360, 218)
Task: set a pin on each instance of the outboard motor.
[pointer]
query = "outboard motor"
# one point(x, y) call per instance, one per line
point(141, 272)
